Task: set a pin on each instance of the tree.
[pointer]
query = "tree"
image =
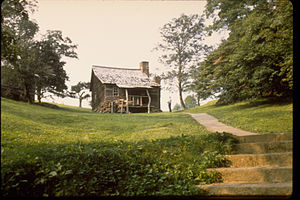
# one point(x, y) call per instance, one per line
point(79, 90)
point(16, 27)
point(190, 101)
point(256, 60)
point(17, 32)
point(51, 76)
point(181, 46)
point(194, 85)
point(28, 64)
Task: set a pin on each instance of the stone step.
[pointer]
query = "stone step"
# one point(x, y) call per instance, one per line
point(270, 137)
point(263, 160)
point(263, 147)
point(255, 174)
point(249, 189)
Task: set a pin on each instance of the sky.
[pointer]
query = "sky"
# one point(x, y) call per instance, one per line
point(113, 34)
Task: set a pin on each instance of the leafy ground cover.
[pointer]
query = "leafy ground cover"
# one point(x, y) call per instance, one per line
point(261, 116)
point(67, 151)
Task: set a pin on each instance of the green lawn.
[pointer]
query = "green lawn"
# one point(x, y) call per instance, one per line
point(261, 116)
point(67, 151)
point(33, 123)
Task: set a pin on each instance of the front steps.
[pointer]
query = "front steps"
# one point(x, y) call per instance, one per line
point(263, 159)
point(256, 174)
point(265, 147)
point(260, 167)
point(255, 190)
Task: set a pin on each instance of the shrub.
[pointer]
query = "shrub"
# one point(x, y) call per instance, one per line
point(162, 167)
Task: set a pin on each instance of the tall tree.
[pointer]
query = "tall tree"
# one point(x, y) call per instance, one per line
point(181, 46)
point(29, 64)
point(16, 27)
point(256, 60)
point(17, 32)
point(79, 91)
point(51, 76)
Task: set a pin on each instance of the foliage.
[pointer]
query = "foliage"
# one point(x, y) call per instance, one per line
point(190, 101)
point(15, 27)
point(30, 65)
point(50, 75)
point(78, 89)
point(47, 152)
point(260, 116)
point(181, 47)
point(17, 32)
point(257, 59)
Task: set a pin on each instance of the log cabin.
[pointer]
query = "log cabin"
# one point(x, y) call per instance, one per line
point(121, 90)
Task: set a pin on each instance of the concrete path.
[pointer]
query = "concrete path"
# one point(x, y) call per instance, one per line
point(212, 124)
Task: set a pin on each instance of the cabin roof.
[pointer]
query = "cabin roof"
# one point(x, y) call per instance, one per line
point(123, 78)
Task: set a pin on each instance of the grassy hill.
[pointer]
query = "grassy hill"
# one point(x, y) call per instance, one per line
point(260, 116)
point(45, 125)
point(68, 151)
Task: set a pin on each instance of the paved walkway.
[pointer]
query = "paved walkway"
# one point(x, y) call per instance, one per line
point(212, 124)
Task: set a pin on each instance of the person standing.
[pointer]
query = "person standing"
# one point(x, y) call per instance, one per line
point(169, 104)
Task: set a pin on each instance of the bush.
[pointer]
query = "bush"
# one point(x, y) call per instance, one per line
point(162, 167)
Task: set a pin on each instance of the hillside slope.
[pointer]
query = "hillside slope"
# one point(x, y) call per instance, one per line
point(69, 151)
point(79, 124)
point(261, 116)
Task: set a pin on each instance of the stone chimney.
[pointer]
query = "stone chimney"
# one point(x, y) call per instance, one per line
point(144, 67)
point(157, 79)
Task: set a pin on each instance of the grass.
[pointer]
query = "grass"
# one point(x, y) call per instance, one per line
point(67, 151)
point(261, 116)
point(45, 125)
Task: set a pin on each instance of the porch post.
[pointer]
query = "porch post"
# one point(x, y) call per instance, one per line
point(127, 99)
point(122, 107)
point(149, 101)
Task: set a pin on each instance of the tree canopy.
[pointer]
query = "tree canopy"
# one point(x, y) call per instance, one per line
point(190, 101)
point(30, 65)
point(79, 91)
point(257, 59)
point(181, 47)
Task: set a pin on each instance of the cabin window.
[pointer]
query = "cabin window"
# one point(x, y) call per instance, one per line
point(108, 93)
point(116, 91)
point(112, 91)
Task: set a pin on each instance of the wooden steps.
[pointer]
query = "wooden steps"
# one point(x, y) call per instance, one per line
point(261, 166)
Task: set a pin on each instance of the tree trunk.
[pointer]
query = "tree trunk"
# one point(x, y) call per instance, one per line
point(182, 105)
point(80, 102)
point(180, 86)
point(198, 100)
point(39, 94)
point(27, 94)
point(39, 98)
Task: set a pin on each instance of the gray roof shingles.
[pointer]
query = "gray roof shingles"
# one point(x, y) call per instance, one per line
point(123, 78)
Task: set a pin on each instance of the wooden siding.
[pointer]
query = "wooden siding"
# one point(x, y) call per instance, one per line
point(104, 100)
